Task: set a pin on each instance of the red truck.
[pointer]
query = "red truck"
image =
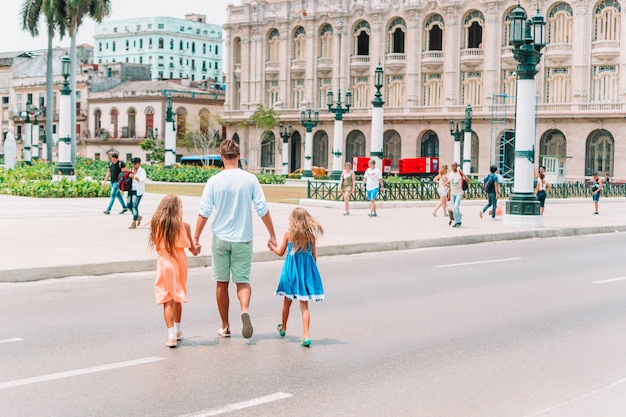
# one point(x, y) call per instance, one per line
point(419, 167)
point(359, 165)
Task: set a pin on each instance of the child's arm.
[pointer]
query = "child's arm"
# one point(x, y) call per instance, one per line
point(193, 248)
point(315, 250)
point(280, 251)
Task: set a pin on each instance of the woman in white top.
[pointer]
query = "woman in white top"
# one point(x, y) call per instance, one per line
point(443, 185)
point(541, 190)
point(347, 186)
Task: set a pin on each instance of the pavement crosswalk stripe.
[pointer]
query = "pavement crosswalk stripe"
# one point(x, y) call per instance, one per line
point(67, 374)
point(239, 406)
point(478, 262)
point(608, 281)
point(15, 339)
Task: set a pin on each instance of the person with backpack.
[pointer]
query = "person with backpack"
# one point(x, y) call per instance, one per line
point(491, 189)
point(116, 167)
point(138, 174)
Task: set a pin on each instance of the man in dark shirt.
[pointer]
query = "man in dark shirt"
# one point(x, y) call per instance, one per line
point(115, 168)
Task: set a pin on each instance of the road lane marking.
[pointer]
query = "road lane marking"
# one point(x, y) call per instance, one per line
point(67, 374)
point(478, 262)
point(577, 398)
point(15, 339)
point(240, 406)
point(608, 281)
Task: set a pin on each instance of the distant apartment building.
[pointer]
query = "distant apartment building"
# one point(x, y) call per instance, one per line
point(173, 48)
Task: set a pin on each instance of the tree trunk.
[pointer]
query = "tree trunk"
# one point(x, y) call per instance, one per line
point(73, 95)
point(49, 100)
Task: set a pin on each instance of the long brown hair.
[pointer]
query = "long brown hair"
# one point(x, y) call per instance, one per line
point(304, 229)
point(166, 222)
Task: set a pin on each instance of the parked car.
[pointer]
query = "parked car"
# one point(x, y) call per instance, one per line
point(317, 171)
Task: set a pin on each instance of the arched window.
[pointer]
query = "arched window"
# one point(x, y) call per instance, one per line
point(471, 87)
point(599, 152)
point(361, 92)
point(273, 41)
point(297, 93)
point(237, 50)
point(236, 138)
point(429, 145)
point(181, 122)
point(131, 114)
point(433, 29)
point(149, 114)
point(607, 21)
point(268, 150)
point(395, 91)
point(114, 121)
point(160, 43)
point(558, 85)
point(320, 149)
point(272, 91)
point(362, 38)
point(433, 89)
point(605, 83)
point(204, 116)
point(355, 145)
point(395, 36)
point(97, 122)
point(295, 159)
point(553, 144)
point(392, 147)
point(559, 24)
point(473, 25)
point(299, 43)
point(326, 41)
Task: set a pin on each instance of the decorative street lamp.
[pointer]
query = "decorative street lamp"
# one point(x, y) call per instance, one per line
point(456, 134)
point(527, 39)
point(170, 134)
point(339, 111)
point(285, 133)
point(376, 152)
point(28, 131)
point(308, 123)
point(64, 167)
point(467, 140)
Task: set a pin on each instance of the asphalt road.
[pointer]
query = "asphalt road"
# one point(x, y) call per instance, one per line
point(516, 329)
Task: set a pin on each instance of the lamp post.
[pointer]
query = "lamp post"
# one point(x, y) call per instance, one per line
point(527, 38)
point(285, 133)
point(308, 123)
point(376, 151)
point(467, 140)
point(170, 134)
point(28, 131)
point(338, 110)
point(35, 135)
point(456, 134)
point(64, 167)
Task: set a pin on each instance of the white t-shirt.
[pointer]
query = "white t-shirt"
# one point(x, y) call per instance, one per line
point(372, 178)
point(456, 182)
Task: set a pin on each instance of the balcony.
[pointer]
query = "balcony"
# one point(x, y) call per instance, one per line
point(359, 64)
point(558, 53)
point(324, 65)
point(298, 67)
point(272, 68)
point(395, 61)
point(604, 52)
point(507, 57)
point(432, 60)
point(471, 58)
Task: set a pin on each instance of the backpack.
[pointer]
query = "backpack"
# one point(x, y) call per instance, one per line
point(124, 181)
point(490, 186)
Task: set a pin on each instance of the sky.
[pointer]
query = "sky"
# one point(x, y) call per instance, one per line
point(13, 38)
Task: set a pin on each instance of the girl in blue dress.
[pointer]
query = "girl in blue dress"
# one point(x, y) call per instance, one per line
point(300, 279)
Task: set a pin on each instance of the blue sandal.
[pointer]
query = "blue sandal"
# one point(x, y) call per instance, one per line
point(280, 332)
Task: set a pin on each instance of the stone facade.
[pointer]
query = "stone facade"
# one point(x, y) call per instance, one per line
point(438, 57)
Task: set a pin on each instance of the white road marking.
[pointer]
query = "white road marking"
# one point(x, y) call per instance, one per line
point(240, 406)
point(478, 262)
point(15, 339)
point(67, 374)
point(607, 281)
point(577, 398)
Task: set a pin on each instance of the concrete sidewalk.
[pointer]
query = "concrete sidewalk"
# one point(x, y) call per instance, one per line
point(52, 238)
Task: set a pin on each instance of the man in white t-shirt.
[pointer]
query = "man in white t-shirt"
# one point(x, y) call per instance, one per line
point(229, 194)
point(456, 177)
point(373, 180)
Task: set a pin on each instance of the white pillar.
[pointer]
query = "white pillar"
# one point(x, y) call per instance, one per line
point(285, 170)
point(10, 150)
point(457, 152)
point(524, 135)
point(338, 148)
point(308, 153)
point(467, 152)
point(170, 144)
point(376, 151)
point(65, 130)
point(35, 141)
point(28, 127)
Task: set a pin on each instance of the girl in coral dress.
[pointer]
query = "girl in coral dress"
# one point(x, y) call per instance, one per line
point(300, 279)
point(169, 235)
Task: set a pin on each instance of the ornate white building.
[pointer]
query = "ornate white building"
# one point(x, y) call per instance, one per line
point(438, 57)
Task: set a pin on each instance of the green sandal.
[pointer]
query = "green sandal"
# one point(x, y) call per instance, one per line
point(305, 342)
point(280, 332)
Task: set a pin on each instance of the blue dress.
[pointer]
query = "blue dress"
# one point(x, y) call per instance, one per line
point(300, 279)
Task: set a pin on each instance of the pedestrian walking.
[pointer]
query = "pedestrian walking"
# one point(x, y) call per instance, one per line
point(373, 180)
point(542, 188)
point(443, 188)
point(170, 236)
point(231, 194)
point(115, 168)
point(456, 177)
point(347, 186)
point(138, 174)
point(300, 279)
point(491, 189)
point(596, 187)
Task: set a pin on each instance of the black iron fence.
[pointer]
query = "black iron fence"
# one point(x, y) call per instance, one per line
point(329, 190)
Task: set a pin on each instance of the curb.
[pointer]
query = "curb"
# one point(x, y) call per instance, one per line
point(98, 269)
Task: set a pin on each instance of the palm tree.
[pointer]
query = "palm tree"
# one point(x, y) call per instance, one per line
point(75, 12)
point(52, 11)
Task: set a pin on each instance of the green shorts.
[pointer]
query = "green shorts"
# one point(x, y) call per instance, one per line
point(231, 257)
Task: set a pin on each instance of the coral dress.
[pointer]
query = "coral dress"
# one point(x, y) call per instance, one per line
point(171, 279)
point(300, 279)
